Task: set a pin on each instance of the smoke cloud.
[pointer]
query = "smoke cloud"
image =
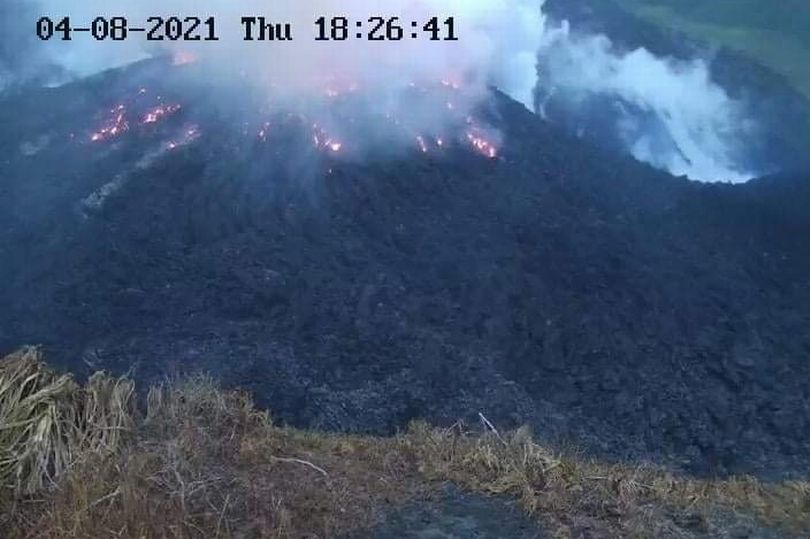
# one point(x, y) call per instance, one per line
point(388, 83)
point(20, 58)
point(665, 112)
point(497, 42)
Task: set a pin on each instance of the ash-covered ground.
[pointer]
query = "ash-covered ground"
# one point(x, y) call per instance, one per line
point(537, 280)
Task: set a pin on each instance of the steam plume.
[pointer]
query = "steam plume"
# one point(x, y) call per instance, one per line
point(497, 41)
point(666, 112)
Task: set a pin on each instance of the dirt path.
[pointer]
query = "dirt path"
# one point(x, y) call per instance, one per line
point(454, 514)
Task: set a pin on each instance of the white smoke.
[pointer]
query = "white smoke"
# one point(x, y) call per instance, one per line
point(678, 119)
point(497, 41)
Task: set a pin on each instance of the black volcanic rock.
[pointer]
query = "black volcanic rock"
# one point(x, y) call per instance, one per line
point(640, 315)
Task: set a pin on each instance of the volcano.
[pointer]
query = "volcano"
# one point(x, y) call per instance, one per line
point(529, 275)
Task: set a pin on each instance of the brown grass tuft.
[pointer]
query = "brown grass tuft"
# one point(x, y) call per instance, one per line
point(203, 462)
point(47, 421)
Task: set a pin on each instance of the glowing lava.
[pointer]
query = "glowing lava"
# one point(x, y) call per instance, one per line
point(349, 121)
point(159, 112)
point(323, 141)
point(481, 144)
point(335, 89)
point(189, 135)
point(264, 131)
point(420, 140)
point(183, 57)
point(114, 126)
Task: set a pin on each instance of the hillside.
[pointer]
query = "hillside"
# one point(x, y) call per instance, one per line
point(644, 317)
point(551, 279)
point(775, 34)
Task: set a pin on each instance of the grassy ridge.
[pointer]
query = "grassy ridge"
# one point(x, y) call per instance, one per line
point(203, 462)
point(774, 34)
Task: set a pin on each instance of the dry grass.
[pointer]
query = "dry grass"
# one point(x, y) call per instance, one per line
point(203, 462)
point(47, 420)
point(573, 495)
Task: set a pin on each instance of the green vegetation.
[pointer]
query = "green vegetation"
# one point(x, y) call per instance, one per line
point(203, 462)
point(774, 34)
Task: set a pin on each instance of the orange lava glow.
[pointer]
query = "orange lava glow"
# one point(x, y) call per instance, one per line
point(422, 145)
point(264, 131)
point(114, 126)
point(323, 141)
point(481, 145)
point(189, 135)
point(183, 58)
point(159, 112)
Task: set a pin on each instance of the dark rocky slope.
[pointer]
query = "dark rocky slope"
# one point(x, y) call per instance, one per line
point(640, 315)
